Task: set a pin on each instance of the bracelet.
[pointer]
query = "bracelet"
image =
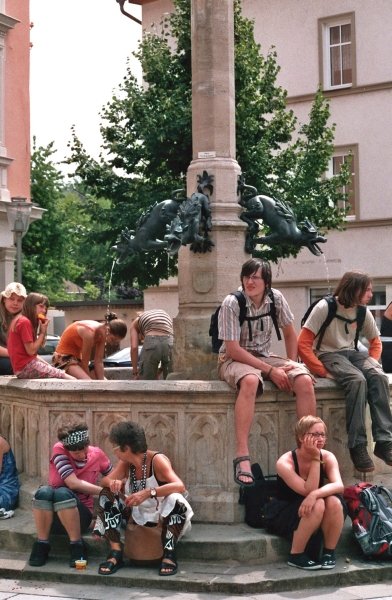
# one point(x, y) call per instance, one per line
point(269, 372)
point(318, 460)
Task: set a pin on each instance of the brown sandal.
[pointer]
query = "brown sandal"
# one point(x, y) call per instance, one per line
point(239, 473)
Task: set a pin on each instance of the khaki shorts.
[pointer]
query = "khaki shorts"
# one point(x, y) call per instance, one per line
point(232, 371)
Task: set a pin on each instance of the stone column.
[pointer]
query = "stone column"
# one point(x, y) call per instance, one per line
point(7, 266)
point(205, 279)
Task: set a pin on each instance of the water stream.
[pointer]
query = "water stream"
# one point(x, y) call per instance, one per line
point(110, 286)
point(327, 273)
point(109, 297)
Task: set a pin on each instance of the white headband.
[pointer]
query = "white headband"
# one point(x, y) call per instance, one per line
point(75, 438)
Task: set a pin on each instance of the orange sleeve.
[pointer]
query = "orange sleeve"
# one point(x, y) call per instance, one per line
point(375, 348)
point(306, 354)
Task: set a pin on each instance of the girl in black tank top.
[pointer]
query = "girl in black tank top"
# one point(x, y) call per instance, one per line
point(308, 509)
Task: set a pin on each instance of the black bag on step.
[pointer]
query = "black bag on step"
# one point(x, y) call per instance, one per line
point(255, 497)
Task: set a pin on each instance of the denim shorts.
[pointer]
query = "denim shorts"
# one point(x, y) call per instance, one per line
point(58, 499)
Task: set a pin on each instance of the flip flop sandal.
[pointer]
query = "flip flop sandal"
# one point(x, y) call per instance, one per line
point(239, 473)
point(168, 568)
point(109, 566)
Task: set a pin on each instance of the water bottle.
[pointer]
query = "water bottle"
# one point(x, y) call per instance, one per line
point(358, 528)
point(362, 536)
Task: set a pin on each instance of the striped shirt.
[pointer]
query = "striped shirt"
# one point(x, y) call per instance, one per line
point(62, 465)
point(155, 320)
point(230, 329)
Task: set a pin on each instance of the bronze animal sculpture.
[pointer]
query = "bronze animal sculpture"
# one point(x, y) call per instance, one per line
point(150, 228)
point(191, 226)
point(172, 223)
point(280, 219)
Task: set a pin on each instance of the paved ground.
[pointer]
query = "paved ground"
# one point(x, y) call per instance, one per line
point(27, 590)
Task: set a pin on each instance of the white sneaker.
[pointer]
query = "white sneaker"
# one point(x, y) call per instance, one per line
point(6, 514)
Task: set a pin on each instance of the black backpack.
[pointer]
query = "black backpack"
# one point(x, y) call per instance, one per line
point(255, 497)
point(332, 307)
point(214, 329)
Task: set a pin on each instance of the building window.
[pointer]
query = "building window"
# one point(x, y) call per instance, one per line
point(318, 293)
point(378, 303)
point(338, 51)
point(347, 155)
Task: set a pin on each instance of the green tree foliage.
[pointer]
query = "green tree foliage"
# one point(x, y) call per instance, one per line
point(87, 219)
point(147, 140)
point(46, 260)
point(70, 242)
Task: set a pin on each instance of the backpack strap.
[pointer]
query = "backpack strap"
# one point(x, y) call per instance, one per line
point(242, 304)
point(361, 314)
point(273, 314)
point(332, 306)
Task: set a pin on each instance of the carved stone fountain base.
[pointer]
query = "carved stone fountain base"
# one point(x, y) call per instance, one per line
point(191, 421)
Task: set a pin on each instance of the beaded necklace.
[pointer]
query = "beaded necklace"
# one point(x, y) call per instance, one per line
point(136, 487)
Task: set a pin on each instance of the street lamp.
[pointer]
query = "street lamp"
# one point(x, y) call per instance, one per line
point(18, 214)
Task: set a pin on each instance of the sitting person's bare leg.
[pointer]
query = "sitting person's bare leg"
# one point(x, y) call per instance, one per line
point(77, 372)
point(243, 416)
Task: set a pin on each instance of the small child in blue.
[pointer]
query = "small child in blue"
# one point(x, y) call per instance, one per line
point(9, 481)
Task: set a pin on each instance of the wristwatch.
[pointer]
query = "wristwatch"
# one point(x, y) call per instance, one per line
point(153, 493)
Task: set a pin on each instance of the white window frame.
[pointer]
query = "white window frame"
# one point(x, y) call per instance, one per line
point(377, 310)
point(345, 151)
point(6, 23)
point(325, 26)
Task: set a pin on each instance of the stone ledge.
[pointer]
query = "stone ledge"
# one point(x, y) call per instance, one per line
point(158, 386)
point(175, 385)
point(117, 385)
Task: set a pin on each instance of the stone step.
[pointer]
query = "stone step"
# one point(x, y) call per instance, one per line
point(227, 578)
point(205, 542)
